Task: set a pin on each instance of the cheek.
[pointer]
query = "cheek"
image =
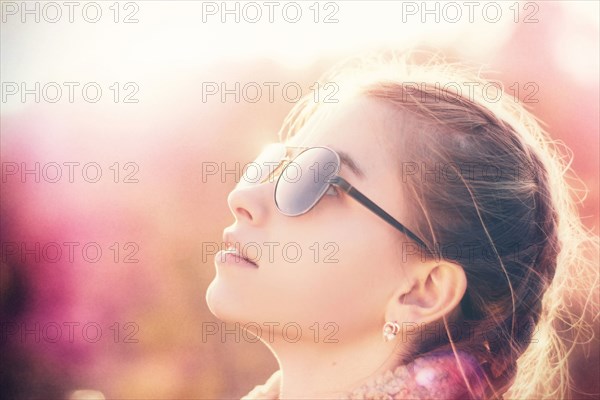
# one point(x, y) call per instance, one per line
point(346, 281)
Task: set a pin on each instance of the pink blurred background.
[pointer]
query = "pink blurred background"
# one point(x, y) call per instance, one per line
point(170, 212)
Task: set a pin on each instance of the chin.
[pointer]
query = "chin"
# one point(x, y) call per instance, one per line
point(225, 302)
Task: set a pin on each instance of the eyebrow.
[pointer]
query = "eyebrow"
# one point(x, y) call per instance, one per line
point(350, 163)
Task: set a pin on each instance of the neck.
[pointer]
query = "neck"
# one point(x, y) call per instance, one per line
point(324, 370)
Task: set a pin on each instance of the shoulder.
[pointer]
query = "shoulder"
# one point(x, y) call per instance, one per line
point(268, 391)
point(449, 375)
point(439, 375)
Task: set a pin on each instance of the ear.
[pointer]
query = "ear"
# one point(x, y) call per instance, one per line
point(437, 288)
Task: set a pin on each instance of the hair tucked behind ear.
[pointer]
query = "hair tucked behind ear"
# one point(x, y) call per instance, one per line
point(529, 261)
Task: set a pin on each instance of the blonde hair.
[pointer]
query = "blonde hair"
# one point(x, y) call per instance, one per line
point(551, 284)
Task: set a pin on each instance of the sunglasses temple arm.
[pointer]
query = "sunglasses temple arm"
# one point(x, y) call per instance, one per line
point(365, 201)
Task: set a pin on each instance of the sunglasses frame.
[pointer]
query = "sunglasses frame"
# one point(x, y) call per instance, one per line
point(346, 187)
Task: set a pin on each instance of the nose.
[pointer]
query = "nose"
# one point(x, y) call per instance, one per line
point(250, 203)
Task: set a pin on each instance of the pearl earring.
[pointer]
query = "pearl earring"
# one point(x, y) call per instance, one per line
point(390, 330)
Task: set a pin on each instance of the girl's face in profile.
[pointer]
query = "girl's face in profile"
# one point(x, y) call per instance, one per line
point(338, 263)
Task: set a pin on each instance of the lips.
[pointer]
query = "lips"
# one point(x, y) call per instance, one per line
point(234, 257)
point(238, 256)
point(236, 249)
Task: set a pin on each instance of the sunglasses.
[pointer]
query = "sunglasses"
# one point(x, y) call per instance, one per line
point(306, 174)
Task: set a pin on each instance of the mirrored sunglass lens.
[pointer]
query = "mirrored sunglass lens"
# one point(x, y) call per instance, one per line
point(304, 180)
point(258, 170)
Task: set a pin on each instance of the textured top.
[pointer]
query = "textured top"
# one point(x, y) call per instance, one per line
point(435, 376)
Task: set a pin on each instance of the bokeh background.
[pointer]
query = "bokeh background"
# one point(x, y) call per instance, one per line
point(159, 209)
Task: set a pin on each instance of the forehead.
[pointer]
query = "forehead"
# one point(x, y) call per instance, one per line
point(360, 127)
